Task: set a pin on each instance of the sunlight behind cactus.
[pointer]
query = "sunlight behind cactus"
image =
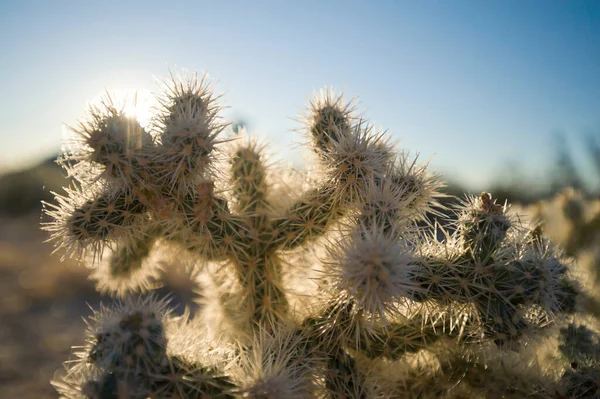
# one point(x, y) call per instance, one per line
point(383, 291)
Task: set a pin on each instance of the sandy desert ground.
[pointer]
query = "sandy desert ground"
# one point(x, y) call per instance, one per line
point(42, 302)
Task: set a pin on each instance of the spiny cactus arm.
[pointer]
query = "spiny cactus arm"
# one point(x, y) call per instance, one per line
point(307, 219)
point(344, 325)
point(328, 332)
point(175, 377)
point(455, 286)
point(482, 225)
point(358, 155)
point(509, 378)
point(261, 291)
point(501, 271)
point(129, 255)
point(128, 269)
point(342, 141)
point(184, 379)
point(349, 153)
point(500, 298)
point(189, 125)
point(339, 326)
point(329, 118)
point(86, 219)
point(421, 187)
point(203, 224)
point(402, 194)
point(107, 146)
point(249, 183)
point(400, 338)
point(128, 355)
point(520, 282)
point(343, 379)
point(256, 265)
point(279, 364)
point(216, 234)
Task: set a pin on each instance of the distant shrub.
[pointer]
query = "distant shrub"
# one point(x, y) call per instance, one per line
point(21, 192)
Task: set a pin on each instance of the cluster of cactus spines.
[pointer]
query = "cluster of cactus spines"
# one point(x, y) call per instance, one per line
point(128, 356)
point(393, 291)
point(498, 273)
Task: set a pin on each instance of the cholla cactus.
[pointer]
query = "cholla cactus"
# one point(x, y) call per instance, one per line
point(389, 306)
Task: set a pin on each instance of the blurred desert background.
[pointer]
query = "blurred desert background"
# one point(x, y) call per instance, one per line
point(42, 298)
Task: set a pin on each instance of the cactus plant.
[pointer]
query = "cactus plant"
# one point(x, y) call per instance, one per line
point(341, 288)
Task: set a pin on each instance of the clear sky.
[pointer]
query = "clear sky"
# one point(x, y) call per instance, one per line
point(475, 85)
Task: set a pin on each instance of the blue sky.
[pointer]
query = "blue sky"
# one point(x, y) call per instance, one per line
point(473, 85)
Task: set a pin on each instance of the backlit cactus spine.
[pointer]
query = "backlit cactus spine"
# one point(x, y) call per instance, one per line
point(387, 288)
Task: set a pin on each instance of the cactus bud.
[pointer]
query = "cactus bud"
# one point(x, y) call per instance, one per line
point(483, 225)
point(373, 269)
point(330, 119)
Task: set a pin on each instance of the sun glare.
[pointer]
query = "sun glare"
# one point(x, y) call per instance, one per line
point(140, 107)
point(138, 104)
